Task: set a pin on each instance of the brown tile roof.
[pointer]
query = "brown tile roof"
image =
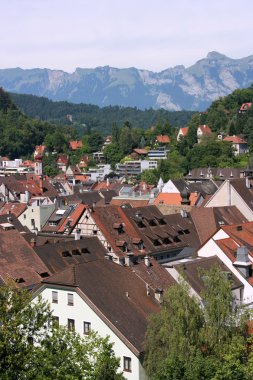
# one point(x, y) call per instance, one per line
point(154, 275)
point(191, 271)
point(141, 151)
point(61, 255)
point(129, 201)
point(18, 260)
point(116, 294)
point(208, 220)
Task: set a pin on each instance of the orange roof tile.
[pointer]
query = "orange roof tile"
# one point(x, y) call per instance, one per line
point(73, 217)
point(74, 145)
point(174, 199)
point(165, 139)
point(235, 139)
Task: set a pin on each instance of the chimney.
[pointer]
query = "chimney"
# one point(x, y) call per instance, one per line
point(33, 242)
point(129, 259)
point(77, 234)
point(147, 261)
point(159, 295)
point(183, 213)
point(248, 184)
point(242, 262)
point(27, 196)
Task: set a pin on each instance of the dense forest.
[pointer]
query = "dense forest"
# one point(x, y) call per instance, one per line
point(86, 117)
point(20, 133)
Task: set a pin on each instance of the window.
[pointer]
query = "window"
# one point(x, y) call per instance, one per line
point(24, 216)
point(71, 324)
point(55, 321)
point(86, 327)
point(70, 299)
point(54, 297)
point(127, 364)
point(32, 222)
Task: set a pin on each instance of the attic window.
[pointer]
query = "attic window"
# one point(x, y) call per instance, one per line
point(152, 223)
point(239, 228)
point(157, 242)
point(19, 280)
point(44, 274)
point(140, 224)
point(161, 222)
point(85, 250)
point(66, 254)
point(176, 239)
point(76, 252)
point(167, 241)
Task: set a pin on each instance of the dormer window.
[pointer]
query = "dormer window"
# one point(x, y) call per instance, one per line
point(152, 223)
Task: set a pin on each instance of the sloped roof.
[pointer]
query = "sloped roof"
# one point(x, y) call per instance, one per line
point(191, 272)
point(184, 130)
point(74, 145)
point(164, 139)
point(205, 129)
point(235, 139)
point(117, 294)
point(174, 199)
point(18, 260)
point(64, 254)
point(14, 208)
point(208, 220)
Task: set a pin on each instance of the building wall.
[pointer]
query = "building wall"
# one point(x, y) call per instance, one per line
point(39, 214)
point(82, 312)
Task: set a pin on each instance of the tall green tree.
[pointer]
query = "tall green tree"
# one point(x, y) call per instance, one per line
point(189, 340)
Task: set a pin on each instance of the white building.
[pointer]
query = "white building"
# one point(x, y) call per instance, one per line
point(37, 213)
point(107, 298)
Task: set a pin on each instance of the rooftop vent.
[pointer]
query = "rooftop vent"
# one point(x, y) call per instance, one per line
point(239, 228)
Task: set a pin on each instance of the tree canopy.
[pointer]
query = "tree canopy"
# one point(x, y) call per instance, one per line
point(189, 340)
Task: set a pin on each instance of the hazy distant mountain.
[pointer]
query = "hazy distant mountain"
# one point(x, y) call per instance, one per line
point(176, 88)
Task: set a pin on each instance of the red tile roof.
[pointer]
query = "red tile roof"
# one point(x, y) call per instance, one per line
point(235, 139)
point(73, 218)
point(245, 106)
point(39, 150)
point(74, 145)
point(174, 199)
point(184, 131)
point(15, 208)
point(164, 139)
point(205, 129)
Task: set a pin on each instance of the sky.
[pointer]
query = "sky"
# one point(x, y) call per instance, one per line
point(146, 34)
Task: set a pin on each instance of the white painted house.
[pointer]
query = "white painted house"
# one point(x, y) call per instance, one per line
point(230, 244)
point(108, 298)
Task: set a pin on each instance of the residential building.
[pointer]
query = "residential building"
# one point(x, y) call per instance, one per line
point(88, 297)
point(203, 130)
point(239, 145)
point(135, 168)
point(182, 133)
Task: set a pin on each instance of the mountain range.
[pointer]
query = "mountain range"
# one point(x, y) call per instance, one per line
point(177, 88)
